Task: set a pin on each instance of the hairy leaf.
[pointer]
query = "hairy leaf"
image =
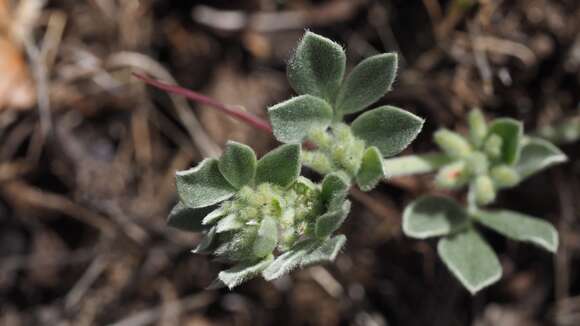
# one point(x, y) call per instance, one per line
point(511, 132)
point(267, 237)
point(243, 272)
point(203, 185)
point(207, 242)
point(305, 253)
point(388, 128)
point(521, 227)
point(432, 216)
point(334, 190)
point(538, 154)
point(452, 143)
point(470, 259)
point(329, 222)
point(238, 164)
point(294, 119)
point(371, 170)
point(317, 67)
point(229, 223)
point(187, 218)
point(280, 166)
point(367, 83)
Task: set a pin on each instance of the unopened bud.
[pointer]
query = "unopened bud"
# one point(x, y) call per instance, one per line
point(483, 189)
point(452, 176)
point(452, 143)
point(504, 176)
point(492, 146)
point(477, 127)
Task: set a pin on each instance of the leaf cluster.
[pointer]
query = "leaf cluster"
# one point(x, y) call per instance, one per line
point(490, 158)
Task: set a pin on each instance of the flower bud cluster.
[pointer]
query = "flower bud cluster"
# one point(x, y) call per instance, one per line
point(285, 216)
point(337, 149)
point(476, 161)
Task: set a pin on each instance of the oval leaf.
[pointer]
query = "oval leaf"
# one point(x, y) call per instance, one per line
point(371, 170)
point(207, 244)
point(334, 190)
point(521, 227)
point(331, 221)
point(294, 119)
point(305, 253)
point(538, 154)
point(243, 272)
point(432, 216)
point(470, 259)
point(238, 164)
point(510, 131)
point(203, 185)
point(267, 237)
point(367, 83)
point(388, 128)
point(317, 67)
point(187, 218)
point(280, 166)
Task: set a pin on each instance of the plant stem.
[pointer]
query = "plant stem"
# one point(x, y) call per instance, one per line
point(415, 164)
point(232, 111)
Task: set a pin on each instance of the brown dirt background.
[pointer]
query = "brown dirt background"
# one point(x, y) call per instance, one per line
point(88, 155)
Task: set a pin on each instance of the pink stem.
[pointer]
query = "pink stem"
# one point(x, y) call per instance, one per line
point(235, 112)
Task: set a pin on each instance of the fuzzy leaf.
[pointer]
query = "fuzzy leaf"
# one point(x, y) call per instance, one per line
point(203, 185)
point(521, 227)
point(267, 237)
point(280, 166)
point(187, 218)
point(238, 164)
point(470, 259)
point(538, 154)
point(243, 272)
point(511, 132)
point(214, 216)
point(367, 83)
point(326, 252)
point(206, 244)
point(334, 190)
point(294, 119)
point(307, 252)
point(317, 67)
point(432, 216)
point(388, 128)
point(229, 223)
point(329, 222)
point(371, 170)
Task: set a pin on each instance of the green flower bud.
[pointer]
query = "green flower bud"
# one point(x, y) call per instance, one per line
point(492, 146)
point(452, 143)
point(477, 163)
point(452, 176)
point(504, 176)
point(318, 161)
point(477, 127)
point(483, 190)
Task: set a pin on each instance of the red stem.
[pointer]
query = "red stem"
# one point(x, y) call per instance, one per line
point(232, 111)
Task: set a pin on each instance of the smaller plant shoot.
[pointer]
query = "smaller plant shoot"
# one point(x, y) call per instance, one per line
point(492, 157)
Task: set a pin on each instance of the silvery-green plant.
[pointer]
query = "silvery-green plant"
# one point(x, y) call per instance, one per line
point(491, 157)
point(261, 215)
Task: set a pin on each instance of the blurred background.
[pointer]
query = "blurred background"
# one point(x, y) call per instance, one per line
point(88, 155)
